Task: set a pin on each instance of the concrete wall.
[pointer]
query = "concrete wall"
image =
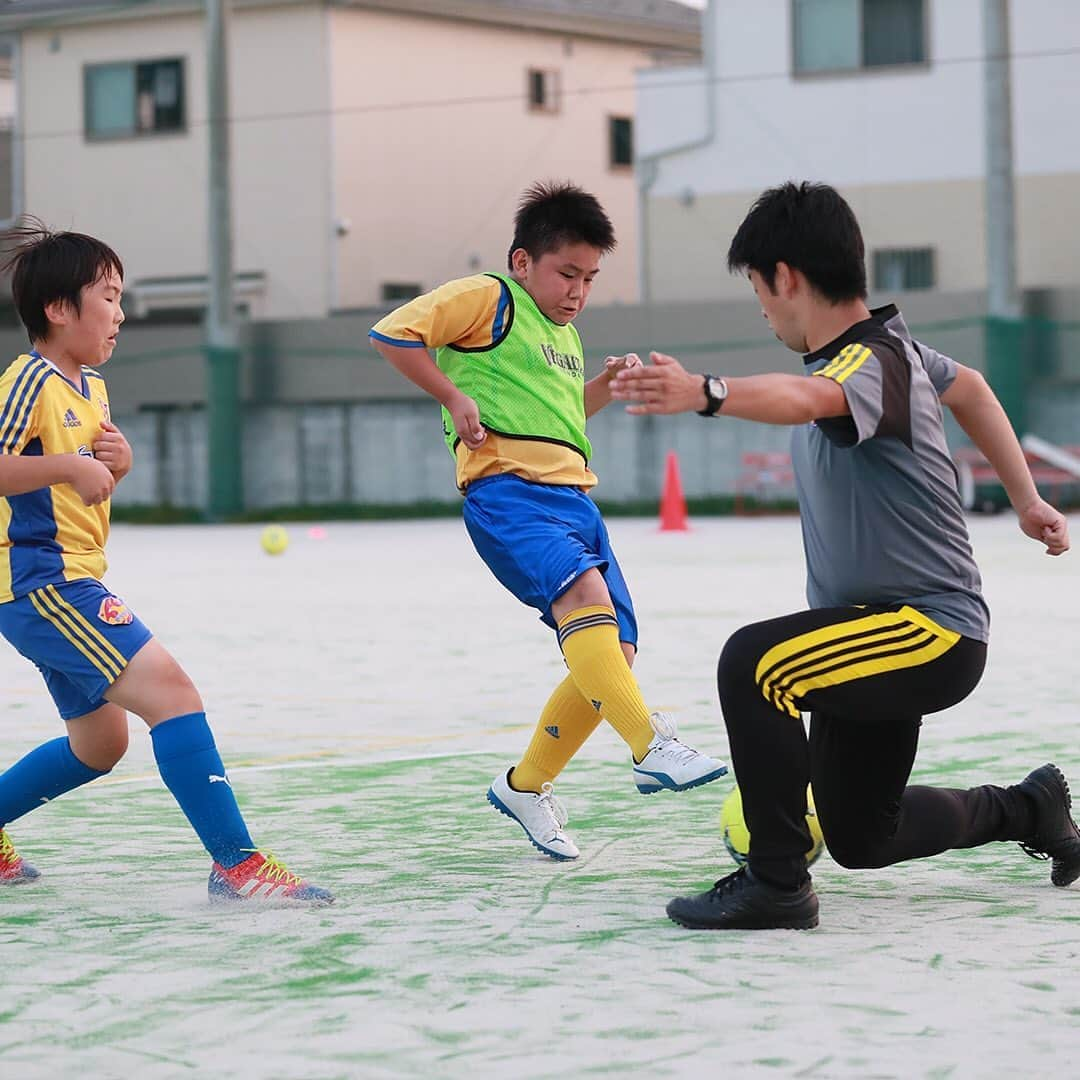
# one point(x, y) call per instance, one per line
point(391, 453)
point(328, 421)
point(307, 361)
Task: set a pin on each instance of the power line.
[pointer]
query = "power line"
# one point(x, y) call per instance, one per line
point(519, 97)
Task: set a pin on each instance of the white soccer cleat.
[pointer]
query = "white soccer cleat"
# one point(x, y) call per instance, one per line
point(671, 765)
point(541, 816)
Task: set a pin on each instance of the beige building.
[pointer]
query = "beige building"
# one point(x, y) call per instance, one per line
point(378, 146)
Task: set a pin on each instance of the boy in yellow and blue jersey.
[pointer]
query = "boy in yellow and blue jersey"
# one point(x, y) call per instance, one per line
point(509, 371)
point(60, 459)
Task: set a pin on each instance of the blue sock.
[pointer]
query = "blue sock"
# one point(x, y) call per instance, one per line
point(192, 770)
point(41, 776)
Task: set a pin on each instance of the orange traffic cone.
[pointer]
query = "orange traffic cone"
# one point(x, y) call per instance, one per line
point(672, 502)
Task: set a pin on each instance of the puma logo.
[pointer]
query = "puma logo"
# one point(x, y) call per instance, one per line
point(553, 731)
point(219, 780)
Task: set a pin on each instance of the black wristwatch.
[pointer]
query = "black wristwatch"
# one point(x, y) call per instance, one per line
point(715, 393)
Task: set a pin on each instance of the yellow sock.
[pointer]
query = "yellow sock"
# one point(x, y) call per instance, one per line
point(589, 638)
point(566, 722)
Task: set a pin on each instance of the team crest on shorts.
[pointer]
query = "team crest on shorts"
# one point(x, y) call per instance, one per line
point(114, 611)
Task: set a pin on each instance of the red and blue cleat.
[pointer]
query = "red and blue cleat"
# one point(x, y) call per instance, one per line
point(262, 878)
point(14, 869)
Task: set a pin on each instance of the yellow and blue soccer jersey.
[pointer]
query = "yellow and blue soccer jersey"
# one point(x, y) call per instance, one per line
point(475, 316)
point(49, 536)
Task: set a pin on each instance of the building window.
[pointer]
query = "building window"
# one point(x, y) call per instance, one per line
point(898, 269)
point(542, 90)
point(400, 290)
point(847, 35)
point(620, 141)
point(126, 100)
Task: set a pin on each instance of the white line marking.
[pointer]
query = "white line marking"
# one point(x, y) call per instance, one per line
point(284, 766)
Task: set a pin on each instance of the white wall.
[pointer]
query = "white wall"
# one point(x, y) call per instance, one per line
point(433, 145)
point(906, 146)
point(876, 127)
point(146, 196)
point(410, 131)
point(672, 108)
point(7, 98)
point(281, 155)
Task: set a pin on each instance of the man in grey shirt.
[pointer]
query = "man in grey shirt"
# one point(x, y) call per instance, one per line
point(897, 626)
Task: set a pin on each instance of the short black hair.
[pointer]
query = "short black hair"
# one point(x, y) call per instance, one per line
point(812, 229)
point(48, 266)
point(551, 214)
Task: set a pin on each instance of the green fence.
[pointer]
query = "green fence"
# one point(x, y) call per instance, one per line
point(318, 419)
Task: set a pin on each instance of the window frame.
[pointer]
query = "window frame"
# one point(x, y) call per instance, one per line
point(135, 132)
point(927, 250)
point(860, 69)
point(552, 80)
point(404, 290)
point(612, 120)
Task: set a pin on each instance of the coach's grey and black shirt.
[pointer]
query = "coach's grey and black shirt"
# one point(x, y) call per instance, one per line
point(881, 514)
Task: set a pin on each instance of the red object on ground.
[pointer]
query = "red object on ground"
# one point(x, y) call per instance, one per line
point(672, 502)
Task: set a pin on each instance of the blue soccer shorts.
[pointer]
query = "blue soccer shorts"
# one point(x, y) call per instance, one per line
point(538, 539)
point(79, 635)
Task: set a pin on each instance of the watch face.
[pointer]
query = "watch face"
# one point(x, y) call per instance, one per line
point(715, 392)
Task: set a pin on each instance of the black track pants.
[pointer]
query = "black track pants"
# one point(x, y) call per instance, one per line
point(867, 676)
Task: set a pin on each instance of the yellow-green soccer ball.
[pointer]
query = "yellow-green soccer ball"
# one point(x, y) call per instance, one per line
point(274, 540)
point(737, 836)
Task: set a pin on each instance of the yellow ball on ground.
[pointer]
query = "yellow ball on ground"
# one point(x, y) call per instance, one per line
point(274, 540)
point(736, 835)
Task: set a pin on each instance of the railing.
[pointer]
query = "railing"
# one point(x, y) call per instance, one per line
point(981, 489)
point(765, 478)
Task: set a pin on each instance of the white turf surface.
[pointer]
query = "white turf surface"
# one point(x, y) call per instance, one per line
point(364, 688)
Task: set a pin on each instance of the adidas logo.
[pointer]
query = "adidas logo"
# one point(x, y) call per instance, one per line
point(553, 731)
point(71, 420)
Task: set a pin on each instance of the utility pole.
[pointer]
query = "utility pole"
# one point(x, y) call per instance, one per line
point(224, 415)
point(1004, 326)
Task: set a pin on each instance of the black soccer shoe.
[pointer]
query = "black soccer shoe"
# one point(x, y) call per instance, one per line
point(741, 901)
point(1056, 835)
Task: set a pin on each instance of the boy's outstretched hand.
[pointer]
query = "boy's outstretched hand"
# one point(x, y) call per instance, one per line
point(663, 387)
point(113, 450)
point(614, 364)
point(1042, 522)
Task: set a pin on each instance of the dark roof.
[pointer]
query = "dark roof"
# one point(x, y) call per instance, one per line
point(661, 23)
point(667, 13)
point(670, 19)
point(17, 13)
point(43, 7)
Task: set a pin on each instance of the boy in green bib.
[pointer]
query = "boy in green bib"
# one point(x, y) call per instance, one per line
point(500, 353)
